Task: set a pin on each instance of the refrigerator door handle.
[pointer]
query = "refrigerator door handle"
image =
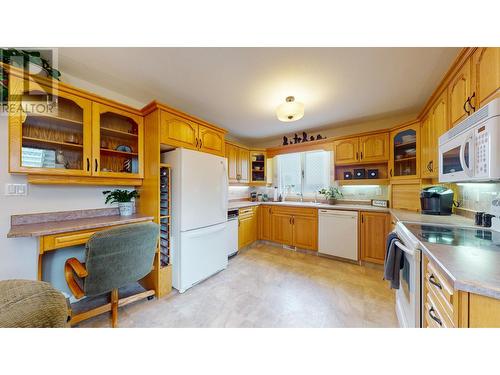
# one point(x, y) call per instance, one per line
point(204, 231)
point(225, 183)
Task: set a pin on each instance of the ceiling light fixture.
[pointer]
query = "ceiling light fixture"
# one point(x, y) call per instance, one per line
point(290, 110)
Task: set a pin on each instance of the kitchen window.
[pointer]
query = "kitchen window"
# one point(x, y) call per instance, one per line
point(304, 173)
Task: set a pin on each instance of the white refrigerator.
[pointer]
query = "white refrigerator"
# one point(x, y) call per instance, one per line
point(199, 239)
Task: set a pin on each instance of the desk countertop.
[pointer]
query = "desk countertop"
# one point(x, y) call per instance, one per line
point(36, 225)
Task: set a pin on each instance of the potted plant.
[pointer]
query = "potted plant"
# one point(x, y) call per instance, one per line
point(123, 198)
point(331, 194)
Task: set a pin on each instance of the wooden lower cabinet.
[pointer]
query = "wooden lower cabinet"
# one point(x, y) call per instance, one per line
point(295, 227)
point(305, 232)
point(445, 307)
point(265, 223)
point(247, 226)
point(282, 228)
point(374, 227)
point(484, 312)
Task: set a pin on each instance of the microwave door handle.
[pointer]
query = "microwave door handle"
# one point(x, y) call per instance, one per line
point(467, 170)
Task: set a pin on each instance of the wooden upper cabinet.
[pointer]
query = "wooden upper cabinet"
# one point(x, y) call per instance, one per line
point(426, 144)
point(405, 152)
point(439, 126)
point(258, 167)
point(244, 165)
point(485, 75)
point(232, 155)
point(459, 91)
point(374, 229)
point(346, 151)
point(117, 142)
point(238, 161)
point(179, 132)
point(374, 147)
point(51, 131)
point(211, 141)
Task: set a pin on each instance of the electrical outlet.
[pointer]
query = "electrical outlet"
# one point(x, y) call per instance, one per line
point(16, 189)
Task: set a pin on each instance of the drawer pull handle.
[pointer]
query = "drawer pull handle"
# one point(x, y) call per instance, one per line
point(434, 317)
point(432, 280)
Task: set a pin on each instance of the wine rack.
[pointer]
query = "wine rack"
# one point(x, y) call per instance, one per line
point(165, 209)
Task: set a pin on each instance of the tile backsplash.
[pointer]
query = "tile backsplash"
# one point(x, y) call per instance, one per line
point(478, 196)
point(360, 192)
point(350, 192)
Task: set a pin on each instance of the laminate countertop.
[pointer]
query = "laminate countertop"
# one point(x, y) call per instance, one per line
point(42, 224)
point(339, 206)
point(417, 217)
point(474, 268)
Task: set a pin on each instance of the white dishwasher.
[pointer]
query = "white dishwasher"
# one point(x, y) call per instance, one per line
point(338, 233)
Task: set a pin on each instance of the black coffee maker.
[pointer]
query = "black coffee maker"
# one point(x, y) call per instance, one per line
point(436, 200)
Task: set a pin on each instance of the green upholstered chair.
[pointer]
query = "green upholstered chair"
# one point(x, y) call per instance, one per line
point(32, 304)
point(113, 258)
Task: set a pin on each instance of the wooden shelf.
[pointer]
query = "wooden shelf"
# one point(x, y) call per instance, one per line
point(37, 119)
point(365, 181)
point(53, 143)
point(164, 216)
point(406, 144)
point(83, 180)
point(118, 133)
point(258, 170)
point(405, 159)
point(115, 152)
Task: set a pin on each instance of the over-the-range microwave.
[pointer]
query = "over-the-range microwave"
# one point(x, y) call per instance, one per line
point(470, 151)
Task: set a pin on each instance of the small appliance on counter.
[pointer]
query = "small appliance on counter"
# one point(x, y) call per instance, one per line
point(253, 196)
point(436, 200)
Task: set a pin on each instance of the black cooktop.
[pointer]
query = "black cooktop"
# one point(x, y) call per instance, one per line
point(455, 236)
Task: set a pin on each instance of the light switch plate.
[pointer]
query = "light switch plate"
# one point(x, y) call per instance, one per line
point(16, 189)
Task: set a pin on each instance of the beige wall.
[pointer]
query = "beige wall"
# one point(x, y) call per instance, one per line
point(346, 128)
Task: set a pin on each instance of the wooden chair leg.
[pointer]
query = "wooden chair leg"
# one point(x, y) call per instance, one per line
point(114, 308)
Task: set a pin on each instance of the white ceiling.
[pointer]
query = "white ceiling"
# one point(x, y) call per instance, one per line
point(240, 88)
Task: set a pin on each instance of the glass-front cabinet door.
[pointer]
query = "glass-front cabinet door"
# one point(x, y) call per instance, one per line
point(50, 130)
point(117, 142)
point(405, 158)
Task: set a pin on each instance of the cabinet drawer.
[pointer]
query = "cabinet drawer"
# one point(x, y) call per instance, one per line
point(247, 212)
point(58, 241)
point(295, 211)
point(436, 281)
point(434, 315)
point(429, 322)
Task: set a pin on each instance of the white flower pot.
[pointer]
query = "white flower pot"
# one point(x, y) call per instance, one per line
point(126, 208)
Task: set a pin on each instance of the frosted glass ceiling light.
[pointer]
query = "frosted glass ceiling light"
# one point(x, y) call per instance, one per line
point(290, 110)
